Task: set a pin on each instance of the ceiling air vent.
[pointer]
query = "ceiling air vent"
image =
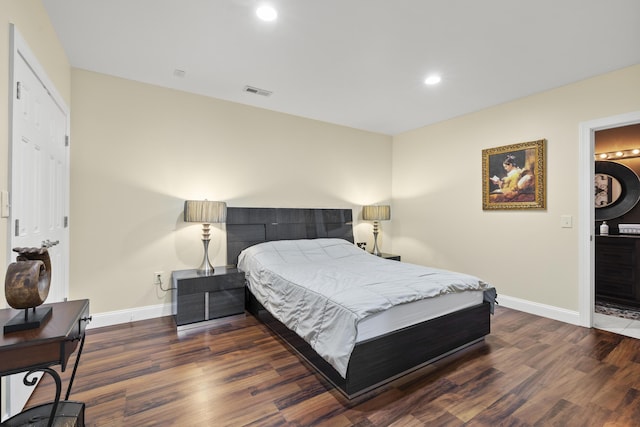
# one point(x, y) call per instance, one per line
point(257, 91)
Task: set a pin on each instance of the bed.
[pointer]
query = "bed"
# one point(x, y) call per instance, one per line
point(379, 349)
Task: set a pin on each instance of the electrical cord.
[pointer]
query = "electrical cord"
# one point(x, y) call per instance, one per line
point(160, 285)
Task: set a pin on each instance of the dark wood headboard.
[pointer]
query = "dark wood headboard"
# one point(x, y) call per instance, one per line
point(249, 226)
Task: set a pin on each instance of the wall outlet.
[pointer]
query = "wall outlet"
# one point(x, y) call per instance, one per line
point(362, 245)
point(158, 278)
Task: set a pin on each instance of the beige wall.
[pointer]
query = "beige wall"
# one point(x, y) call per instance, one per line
point(138, 151)
point(437, 192)
point(31, 20)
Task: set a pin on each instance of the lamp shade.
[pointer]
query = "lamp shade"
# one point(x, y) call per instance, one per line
point(376, 213)
point(205, 211)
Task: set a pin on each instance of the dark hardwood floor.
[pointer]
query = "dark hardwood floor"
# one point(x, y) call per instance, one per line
point(530, 371)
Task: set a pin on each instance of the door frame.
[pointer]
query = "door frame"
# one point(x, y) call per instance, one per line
point(586, 223)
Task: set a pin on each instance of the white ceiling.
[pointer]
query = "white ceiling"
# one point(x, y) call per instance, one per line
point(358, 63)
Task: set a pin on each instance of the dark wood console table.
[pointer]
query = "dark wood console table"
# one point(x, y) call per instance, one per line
point(37, 350)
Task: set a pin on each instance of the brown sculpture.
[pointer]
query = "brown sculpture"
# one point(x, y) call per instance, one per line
point(26, 286)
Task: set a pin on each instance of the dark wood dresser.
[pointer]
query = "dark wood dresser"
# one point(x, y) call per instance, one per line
point(617, 264)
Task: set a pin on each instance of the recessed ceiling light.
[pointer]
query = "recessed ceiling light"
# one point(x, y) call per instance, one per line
point(267, 13)
point(432, 80)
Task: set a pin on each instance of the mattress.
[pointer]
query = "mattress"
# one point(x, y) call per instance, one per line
point(402, 316)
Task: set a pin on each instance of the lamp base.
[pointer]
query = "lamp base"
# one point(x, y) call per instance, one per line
point(205, 269)
point(375, 252)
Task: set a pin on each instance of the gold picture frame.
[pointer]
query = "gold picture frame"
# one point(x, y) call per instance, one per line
point(513, 176)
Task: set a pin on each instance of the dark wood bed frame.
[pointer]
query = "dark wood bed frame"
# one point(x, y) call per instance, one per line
point(375, 361)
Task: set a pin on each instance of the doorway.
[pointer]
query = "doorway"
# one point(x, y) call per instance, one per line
point(586, 169)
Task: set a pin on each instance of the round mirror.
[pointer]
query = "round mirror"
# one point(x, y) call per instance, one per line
point(608, 190)
point(617, 190)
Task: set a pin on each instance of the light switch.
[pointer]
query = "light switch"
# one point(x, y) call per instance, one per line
point(4, 204)
point(566, 221)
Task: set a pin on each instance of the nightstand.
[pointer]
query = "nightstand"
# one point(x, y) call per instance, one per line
point(197, 298)
point(390, 256)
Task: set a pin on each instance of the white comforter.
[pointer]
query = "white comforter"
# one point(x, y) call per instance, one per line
point(322, 288)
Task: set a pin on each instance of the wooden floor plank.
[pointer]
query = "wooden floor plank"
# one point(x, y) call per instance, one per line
point(530, 371)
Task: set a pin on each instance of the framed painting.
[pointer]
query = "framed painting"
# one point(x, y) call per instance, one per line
point(513, 176)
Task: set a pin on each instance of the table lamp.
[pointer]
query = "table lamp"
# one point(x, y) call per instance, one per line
point(376, 213)
point(205, 212)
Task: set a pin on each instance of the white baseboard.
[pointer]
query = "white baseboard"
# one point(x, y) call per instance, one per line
point(152, 311)
point(549, 311)
point(124, 316)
